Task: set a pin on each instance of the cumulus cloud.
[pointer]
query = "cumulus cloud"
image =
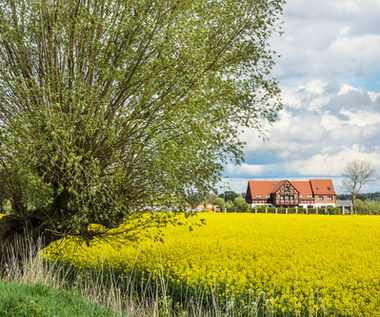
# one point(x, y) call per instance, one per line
point(328, 40)
point(329, 73)
point(320, 129)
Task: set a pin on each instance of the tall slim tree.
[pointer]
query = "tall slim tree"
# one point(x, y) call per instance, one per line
point(358, 173)
point(108, 104)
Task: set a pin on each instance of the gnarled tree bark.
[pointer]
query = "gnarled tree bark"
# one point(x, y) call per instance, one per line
point(21, 237)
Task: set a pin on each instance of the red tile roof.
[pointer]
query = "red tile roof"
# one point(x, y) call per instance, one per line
point(305, 188)
point(263, 188)
point(322, 186)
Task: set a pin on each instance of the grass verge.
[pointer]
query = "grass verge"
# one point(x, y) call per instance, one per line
point(32, 300)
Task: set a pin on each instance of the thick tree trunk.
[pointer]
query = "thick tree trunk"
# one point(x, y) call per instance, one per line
point(22, 237)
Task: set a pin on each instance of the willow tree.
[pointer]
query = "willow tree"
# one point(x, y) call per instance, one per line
point(108, 104)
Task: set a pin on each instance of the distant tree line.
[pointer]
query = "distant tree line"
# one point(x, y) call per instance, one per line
point(363, 196)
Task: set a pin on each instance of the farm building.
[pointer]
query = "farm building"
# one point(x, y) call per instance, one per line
point(314, 193)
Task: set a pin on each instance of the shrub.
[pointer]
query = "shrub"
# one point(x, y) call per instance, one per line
point(311, 211)
point(271, 210)
point(241, 205)
point(231, 209)
point(291, 210)
point(331, 210)
point(260, 209)
point(301, 210)
point(281, 210)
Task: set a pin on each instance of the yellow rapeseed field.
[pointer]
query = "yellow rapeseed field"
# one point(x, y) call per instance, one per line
point(304, 264)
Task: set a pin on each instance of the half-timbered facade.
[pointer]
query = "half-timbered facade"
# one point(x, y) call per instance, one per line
point(285, 193)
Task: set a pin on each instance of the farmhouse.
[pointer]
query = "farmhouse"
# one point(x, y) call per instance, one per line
point(313, 193)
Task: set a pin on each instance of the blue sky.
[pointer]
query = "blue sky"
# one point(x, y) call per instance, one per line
point(329, 74)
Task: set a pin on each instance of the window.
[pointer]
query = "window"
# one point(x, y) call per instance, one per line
point(282, 197)
point(286, 187)
point(328, 188)
point(317, 188)
point(286, 197)
point(309, 197)
point(320, 197)
point(329, 198)
point(258, 196)
point(300, 197)
point(291, 197)
point(267, 196)
point(274, 183)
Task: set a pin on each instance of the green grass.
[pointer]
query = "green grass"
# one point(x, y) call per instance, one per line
point(37, 300)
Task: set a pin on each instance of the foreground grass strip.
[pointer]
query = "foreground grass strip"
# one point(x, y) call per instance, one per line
point(32, 300)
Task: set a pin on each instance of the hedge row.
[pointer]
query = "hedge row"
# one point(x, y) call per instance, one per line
point(322, 211)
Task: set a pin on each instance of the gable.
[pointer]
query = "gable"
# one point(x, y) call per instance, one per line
point(286, 187)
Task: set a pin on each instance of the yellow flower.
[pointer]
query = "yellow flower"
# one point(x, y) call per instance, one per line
point(306, 264)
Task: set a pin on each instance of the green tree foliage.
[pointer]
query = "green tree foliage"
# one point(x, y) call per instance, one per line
point(228, 195)
point(331, 210)
point(109, 105)
point(220, 202)
point(241, 205)
point(361, 196)
point(368, 207)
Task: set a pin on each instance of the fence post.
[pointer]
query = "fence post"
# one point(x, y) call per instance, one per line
point(307, 210)
point(255, 210)
point(296, 209)
point(266, 210)
point(286, 210)
point(275, 210)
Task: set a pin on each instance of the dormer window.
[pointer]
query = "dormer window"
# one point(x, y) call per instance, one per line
point(267, 196)
point(317, 188)
point(258, 196)
point(328, 188)
point(300, 196)
point(274, 183)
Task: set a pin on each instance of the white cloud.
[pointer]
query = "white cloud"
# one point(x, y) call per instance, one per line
point(359, 51)
point(328, 40)
point(361, 118)
point(315, 141)
point(247, 169)
point(345, 89)
point(329, 52)
point(326, 163)
point(373, 95)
